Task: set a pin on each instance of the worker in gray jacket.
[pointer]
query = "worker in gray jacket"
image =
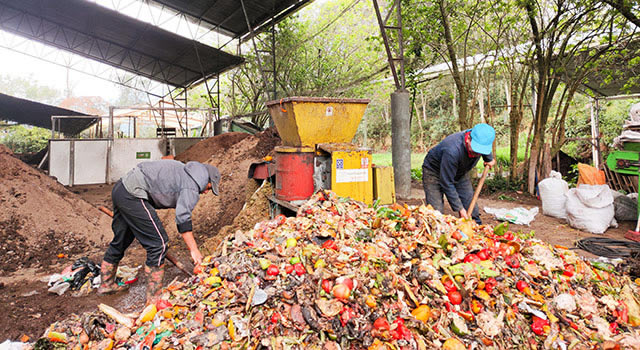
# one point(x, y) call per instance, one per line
point(154, 185)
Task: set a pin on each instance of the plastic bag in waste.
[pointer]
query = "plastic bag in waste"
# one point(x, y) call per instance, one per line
point(518, 216)
point(82, 267)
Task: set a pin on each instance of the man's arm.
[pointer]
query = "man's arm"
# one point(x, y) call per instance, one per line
point(193, 247)
point(184, 207)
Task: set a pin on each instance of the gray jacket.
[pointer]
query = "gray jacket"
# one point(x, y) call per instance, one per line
point(169, 184)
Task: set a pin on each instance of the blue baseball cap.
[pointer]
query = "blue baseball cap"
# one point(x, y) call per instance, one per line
point(482, 136)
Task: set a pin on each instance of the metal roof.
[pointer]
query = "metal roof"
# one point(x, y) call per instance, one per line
point(107, 36)
point(227, 16)
point(24, 111)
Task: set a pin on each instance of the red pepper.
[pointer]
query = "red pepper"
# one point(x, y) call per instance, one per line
point(330, 244)
point(273, 270)
point(472, 258)
point(381, 324)
point(288, 269)
point(538, 325)
point(449, 286)
point(163, 304)
point(467, 315)
point(326, 285)
point(275, 317)
point(401, 331)
point(299, 269)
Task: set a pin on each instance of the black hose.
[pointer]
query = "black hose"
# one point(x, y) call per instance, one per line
point(610, 248)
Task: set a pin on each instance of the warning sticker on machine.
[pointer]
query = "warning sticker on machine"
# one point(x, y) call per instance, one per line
point(352, 175)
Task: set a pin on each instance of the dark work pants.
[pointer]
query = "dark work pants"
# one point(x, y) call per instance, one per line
point(433, 192)
point(135, 218)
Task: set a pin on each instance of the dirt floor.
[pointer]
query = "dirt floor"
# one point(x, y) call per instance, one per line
point(29, 308)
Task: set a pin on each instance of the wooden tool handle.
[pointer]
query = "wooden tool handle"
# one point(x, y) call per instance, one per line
point(478, 189)
point(169, 256)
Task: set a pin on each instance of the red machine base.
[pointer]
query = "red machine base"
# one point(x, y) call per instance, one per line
point(632, 235)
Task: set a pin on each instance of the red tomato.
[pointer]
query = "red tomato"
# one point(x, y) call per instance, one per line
point(472, 258)
point(346, 281)
point(381, 324)
point(299, 269)
point(326, 285)
point(456, 235)
point(521, 285)
point(455, 297)
point(450, 286)
point(280, 219)
point(288, 269)
point(569, 270)
point(275, 317)
point(508, 236)
point(330, 244)
point(273, 270)
point(341, 291)
point(483, 254)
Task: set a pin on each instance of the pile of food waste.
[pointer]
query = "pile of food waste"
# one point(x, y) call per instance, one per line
point(343, 275)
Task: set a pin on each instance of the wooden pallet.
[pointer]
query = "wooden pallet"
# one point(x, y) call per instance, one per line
point(627, 183)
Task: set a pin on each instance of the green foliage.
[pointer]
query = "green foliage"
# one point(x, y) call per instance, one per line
point(24, 139)
point(498, 183)
point(416, 174)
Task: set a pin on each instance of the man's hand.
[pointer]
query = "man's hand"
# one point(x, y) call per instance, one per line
point(196, 256)
point(193, 247)
point(490, 164)
point(463, 213)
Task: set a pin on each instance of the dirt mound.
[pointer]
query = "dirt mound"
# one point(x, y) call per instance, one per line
point(202, 150)
point(40, 218)
point(233, 160)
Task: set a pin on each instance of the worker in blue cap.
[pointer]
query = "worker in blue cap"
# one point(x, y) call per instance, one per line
point(446, 167)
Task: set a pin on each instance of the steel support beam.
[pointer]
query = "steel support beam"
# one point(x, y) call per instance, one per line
point(400, 102)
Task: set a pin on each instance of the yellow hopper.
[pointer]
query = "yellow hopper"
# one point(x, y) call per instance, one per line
point(308, 121)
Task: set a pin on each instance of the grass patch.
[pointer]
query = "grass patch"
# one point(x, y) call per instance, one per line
point(385, 159)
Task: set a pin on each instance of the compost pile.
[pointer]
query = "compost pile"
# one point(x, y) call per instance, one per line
point(40, 218)
point(344, 275)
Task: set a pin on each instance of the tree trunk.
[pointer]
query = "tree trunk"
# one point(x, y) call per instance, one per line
point(514, 134)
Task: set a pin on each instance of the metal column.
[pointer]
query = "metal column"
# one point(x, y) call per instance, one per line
point(400, 104)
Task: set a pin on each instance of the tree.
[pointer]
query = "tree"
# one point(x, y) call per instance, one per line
point(561, 31)
point(447, 31)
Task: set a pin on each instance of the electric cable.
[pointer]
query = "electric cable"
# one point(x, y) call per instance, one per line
point(610, 248)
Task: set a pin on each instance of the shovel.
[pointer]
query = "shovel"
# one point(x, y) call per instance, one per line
point(478, 189)
point(169, 256)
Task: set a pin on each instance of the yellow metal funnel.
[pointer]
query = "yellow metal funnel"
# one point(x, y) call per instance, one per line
point(307, 121)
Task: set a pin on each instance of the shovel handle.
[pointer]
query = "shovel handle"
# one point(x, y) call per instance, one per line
point(478, 189)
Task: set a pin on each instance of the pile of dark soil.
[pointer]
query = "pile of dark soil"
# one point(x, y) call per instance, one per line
point(232, 153)
point(40, 218)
